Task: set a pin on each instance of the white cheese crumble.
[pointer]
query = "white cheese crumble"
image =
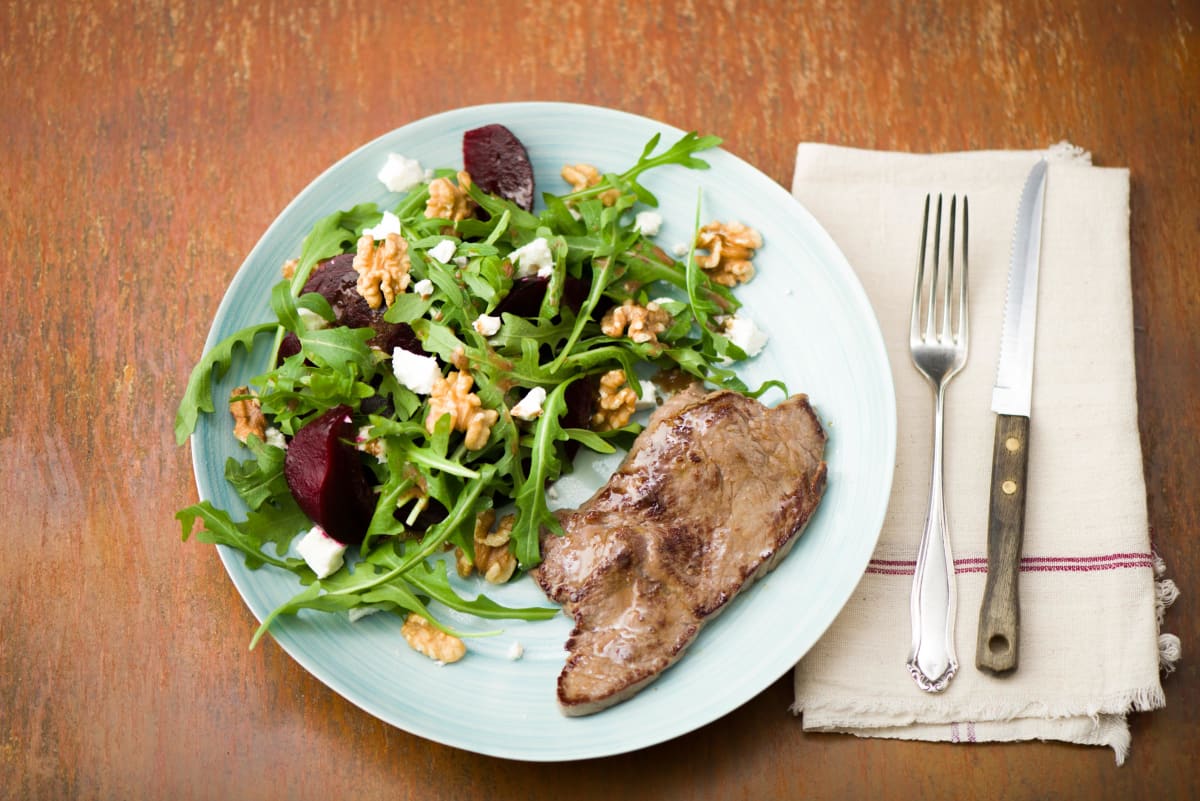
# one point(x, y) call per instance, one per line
point(745, 334)
point(275, 437)
point(321, 552)
point(649, 397)
point(648, 223)
point(534, 258)
point(680, 250)
point(461, 261)
point(390, 224)
point(443, 251)
point(515, 651)
point(424, 287)
point(486, 324)
point(530, 406)
point(359, 612)
point(415, 371)
point(400, 173)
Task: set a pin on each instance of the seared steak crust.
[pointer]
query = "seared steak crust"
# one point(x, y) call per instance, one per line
point(712, 496)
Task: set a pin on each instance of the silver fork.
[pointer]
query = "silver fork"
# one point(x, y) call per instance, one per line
point(938, 342)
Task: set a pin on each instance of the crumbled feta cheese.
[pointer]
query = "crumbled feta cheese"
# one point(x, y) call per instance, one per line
point(400, 173)
point(515, 651)
point(415, 371)
point(648, 223)
point(359, 612)
point(534, 258)
point(443, 251)
point(275, 437)
point(461, 261)
point(680, 250)
point(745, 334)
point(321, 552)
point(649, 397)
point(486, 324)
point(390, 224)
point(530, 406)
point(424, 287)
point(552, 492)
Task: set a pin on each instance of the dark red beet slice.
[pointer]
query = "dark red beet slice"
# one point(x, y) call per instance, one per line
point(498, 164)
point(335, 280)
point(327, 477)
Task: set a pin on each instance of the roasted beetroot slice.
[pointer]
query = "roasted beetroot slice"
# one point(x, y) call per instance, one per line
point(498, 164)
point(327, 479)
point(336, 280)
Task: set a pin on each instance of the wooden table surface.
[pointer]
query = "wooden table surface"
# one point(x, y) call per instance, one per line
point(146, 146)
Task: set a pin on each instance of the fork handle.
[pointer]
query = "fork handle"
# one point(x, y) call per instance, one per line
point(999, 616)
point(932, 661)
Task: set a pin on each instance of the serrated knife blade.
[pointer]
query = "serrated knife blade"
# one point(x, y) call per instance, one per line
point(1013, 391)
point(996, 648)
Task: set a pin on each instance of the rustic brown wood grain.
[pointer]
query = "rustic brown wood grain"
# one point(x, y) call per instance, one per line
point(145, 146)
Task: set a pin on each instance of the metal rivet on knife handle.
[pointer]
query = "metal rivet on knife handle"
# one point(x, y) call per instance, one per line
point(999, 617)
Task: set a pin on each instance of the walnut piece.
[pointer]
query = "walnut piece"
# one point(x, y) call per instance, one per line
point(434, 643)
point(452, 395)
point(645, 323)
point(585, 176)
point(449, 202)
point(247, 414)
point(289, 268)
point(383, 269)
point(616, 402)
point(492, 560)
point(730, 248)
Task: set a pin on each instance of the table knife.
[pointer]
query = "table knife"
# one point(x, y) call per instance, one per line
point(999, 617)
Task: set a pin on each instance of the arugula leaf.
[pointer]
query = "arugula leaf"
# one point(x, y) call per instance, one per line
point(432, 579)
point(261, 478)
point(544, 463)
point(197, 397)
point(341, 346)
point(680, 153)
point(219, 529)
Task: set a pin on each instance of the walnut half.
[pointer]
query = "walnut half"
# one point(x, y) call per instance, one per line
point(247, 414)
point(493, 560)
point(452, 395)
point(585, 176)
point(616, 402)
point(383, 269)
point(644, 323)
point(434, 643)
point(450, 202)
point(730, 248)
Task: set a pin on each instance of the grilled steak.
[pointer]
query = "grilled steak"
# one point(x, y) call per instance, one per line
point(712, 495)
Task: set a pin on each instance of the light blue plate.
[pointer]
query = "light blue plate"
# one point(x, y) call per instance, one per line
point(824, 341)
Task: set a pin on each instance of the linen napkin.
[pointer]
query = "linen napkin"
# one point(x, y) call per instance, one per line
point(1091, 589)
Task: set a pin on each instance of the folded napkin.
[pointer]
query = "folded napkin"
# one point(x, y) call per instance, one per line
point(1091, 588)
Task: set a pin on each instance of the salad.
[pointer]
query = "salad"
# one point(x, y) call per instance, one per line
point(434, 367)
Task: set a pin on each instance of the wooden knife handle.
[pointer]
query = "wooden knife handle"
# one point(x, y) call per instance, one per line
point(999, 617)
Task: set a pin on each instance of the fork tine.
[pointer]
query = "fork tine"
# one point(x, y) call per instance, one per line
point(947, 305)
point(964, 328)
point(931, 312)
point(914, 333)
